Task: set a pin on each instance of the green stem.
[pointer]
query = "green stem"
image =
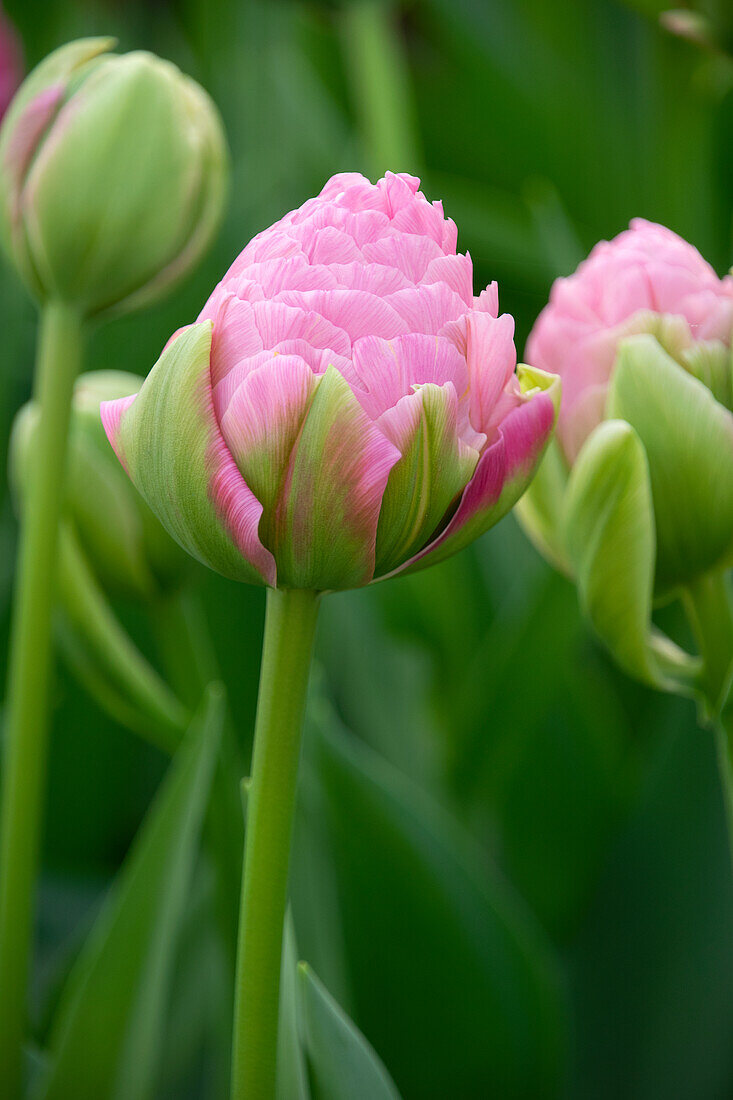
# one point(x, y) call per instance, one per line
point(190, 664)
point(723, 730)
point(26, 713)
point(286, 657)
point(381, 86)
point(113, 649)
point(185, 644)
point(710, 611)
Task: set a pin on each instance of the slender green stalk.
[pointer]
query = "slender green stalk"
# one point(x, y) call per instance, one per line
point(86, 606)
point(26, 713)
point(381, 86)
point(190, 663)
point(710, 611)
point(286, 657)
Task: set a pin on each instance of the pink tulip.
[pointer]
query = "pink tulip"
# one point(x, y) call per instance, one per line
point(647, 279)
point(344, 407)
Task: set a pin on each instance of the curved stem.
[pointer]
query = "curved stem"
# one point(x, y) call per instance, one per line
point(113, 649)
point(286, 657)
point(710, 611)
point(26, 715)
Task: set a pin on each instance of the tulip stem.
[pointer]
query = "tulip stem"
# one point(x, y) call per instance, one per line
point(710, 611)
point(380, 81)
point(26, 711)
point(286, 658)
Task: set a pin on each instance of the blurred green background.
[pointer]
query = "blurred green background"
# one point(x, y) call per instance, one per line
point(510, 864)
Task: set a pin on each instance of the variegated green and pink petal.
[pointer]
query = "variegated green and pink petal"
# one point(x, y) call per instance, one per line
point(169, 441)
point(504, 469)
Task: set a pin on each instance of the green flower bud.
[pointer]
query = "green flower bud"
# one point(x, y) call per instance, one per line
point(128, 549)
point(688, 439)
point(112, 176)
point(608, 533)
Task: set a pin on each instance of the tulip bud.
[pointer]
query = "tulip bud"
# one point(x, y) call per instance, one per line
point(112, 177)
point(127, 548)
point(635, 502)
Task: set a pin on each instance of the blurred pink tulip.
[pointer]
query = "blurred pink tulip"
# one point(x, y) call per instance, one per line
point(647, 279)
point(344, 405)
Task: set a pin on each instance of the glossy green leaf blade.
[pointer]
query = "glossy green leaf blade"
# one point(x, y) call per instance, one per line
point(610, 541)
point(106, 1032)
point(451, 980)
point(342, 1061)
point(292, 1074)
point(688, 439)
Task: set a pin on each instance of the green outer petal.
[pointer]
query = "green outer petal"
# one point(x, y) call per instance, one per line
point(323, 531)
point(610, 542)
point(688, 439)
point(171, 446)
point(434, 469)
point(504, 470)
point(58, 68)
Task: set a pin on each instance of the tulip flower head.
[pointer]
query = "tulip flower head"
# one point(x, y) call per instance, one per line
point(647, 279)
point(635, 498)
point(344, 408)
point(112, 177)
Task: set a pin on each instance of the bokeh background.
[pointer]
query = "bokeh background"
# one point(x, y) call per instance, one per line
point(510, 862)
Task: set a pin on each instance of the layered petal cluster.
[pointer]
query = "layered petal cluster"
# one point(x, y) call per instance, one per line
point(344, 407)
point(647, 279)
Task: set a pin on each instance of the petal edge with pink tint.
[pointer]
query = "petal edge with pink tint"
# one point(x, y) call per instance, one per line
point(176, 456)
point(503, 473)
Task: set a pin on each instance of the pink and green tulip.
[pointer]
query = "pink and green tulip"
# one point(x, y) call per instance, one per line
point(635, 497)
point(344, 408)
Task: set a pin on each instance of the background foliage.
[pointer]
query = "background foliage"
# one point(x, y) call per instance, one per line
point(510, 863)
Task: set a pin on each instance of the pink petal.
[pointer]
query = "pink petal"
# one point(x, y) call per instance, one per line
point(491, 359)
point(262, 420)
point(488, 300)
point(408, 253)
point(457, 274)
point(427, 308)
point(389, 369)
point(355, 312)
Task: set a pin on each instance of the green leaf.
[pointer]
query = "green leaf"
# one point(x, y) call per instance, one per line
point(342, 1062)
point(292, 1074)
point(688, 439)
point(106, 1033)
point(652, 969)
point(610, 541)
point(451, 980)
